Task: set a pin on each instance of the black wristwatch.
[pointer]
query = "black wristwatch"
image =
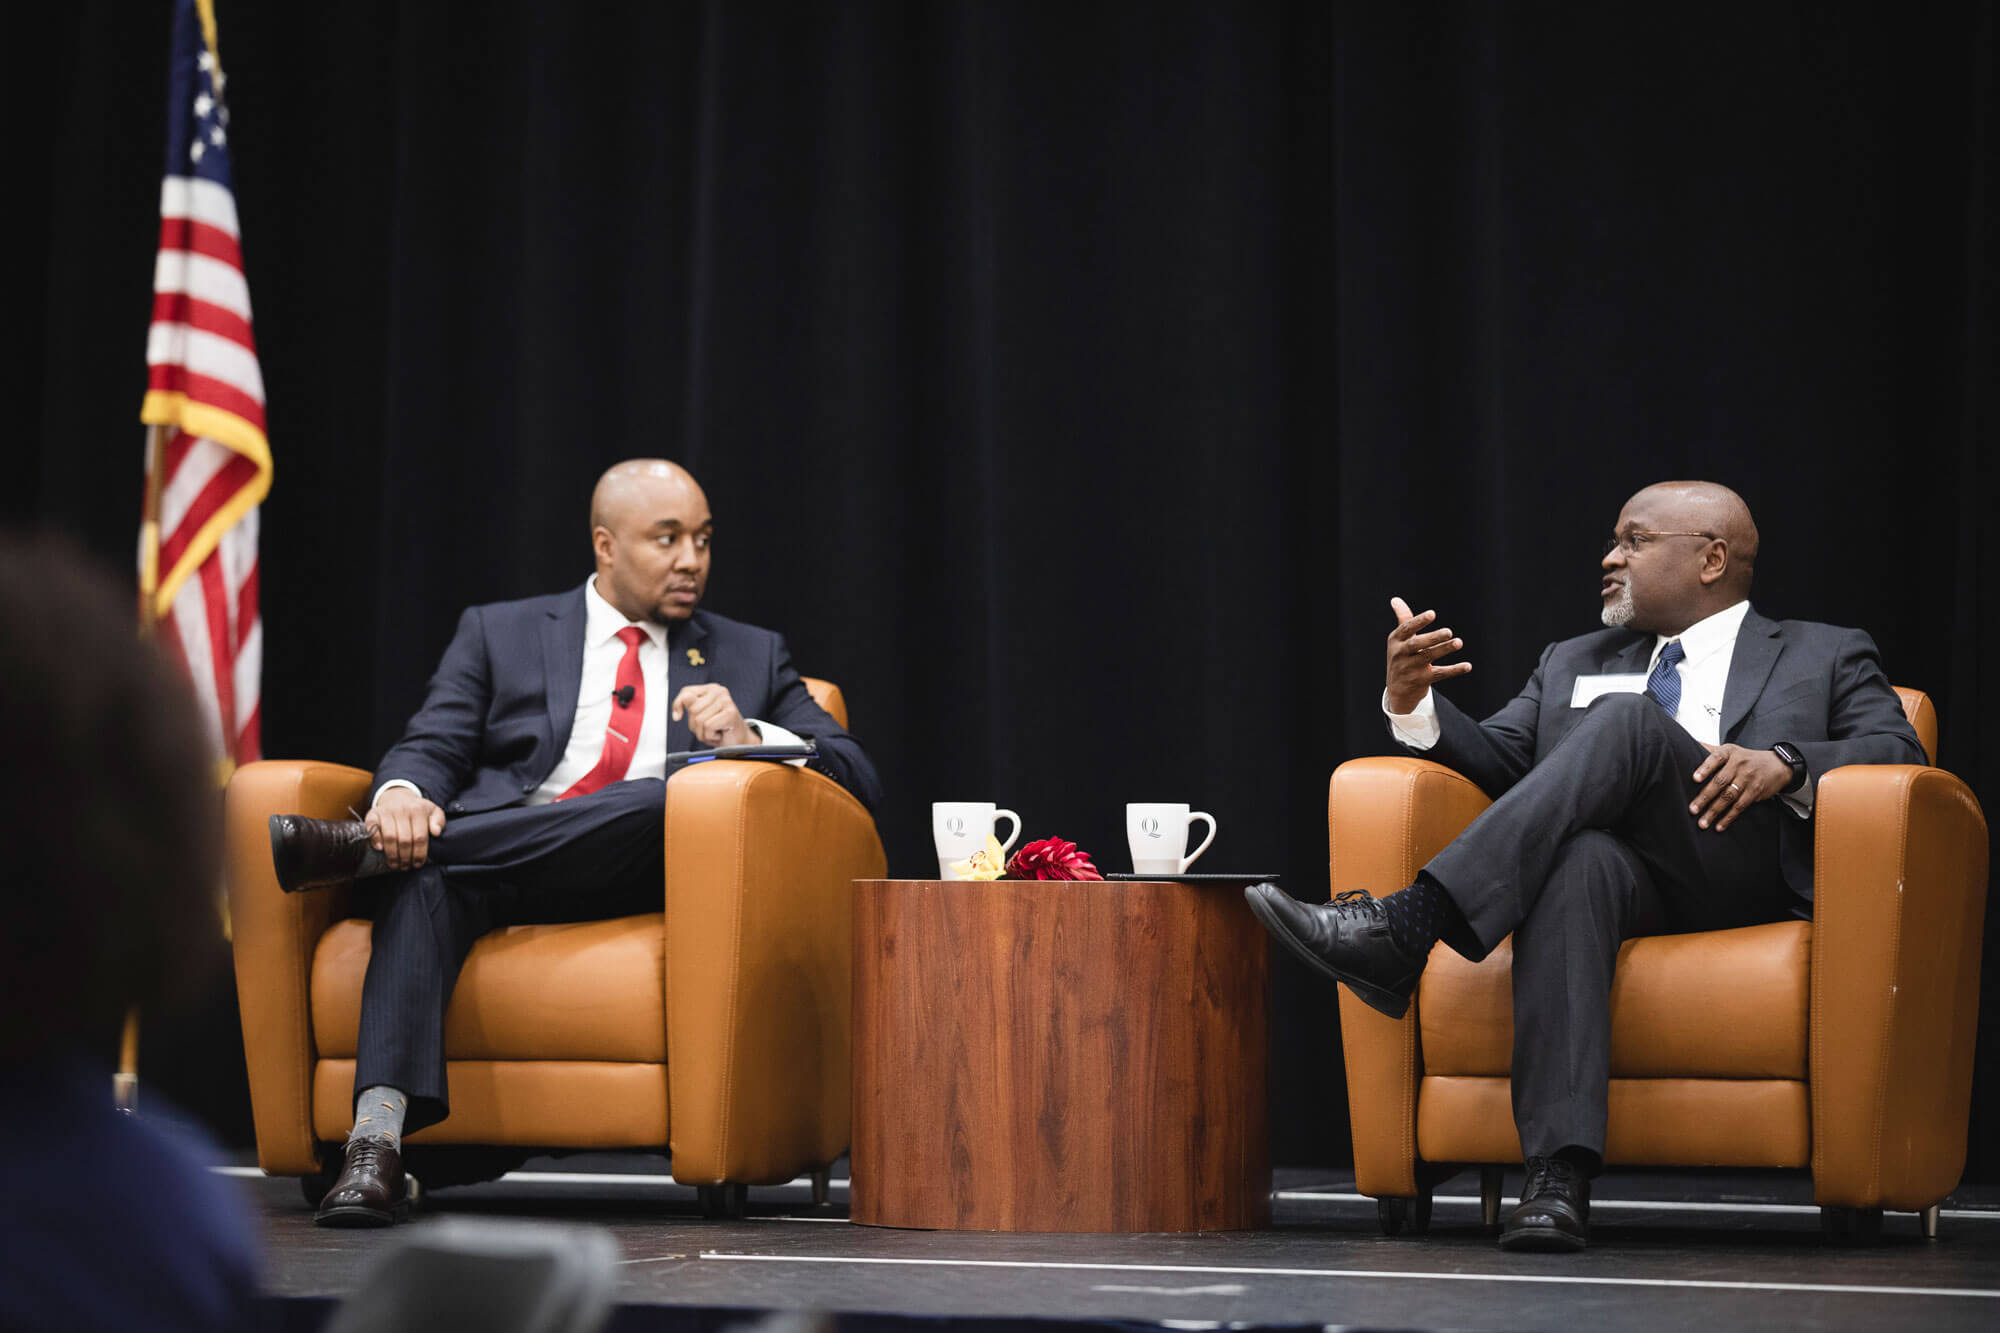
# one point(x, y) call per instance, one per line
point(1788, 752)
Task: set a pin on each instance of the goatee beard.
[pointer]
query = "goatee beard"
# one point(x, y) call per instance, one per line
point(1618, 613)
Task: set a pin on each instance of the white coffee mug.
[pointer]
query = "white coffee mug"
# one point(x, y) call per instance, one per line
point(1157, 832)
point(961, 828)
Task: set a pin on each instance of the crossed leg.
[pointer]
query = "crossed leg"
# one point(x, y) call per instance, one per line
point(1594, 845)
point(594, 857)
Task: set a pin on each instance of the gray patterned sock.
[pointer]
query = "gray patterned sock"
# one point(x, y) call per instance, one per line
point(378, 1114)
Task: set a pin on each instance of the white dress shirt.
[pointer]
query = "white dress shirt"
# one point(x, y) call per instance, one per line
point(597, 709)
point(1709, 646)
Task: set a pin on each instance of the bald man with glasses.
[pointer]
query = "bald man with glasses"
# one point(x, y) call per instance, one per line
point(1654, 777)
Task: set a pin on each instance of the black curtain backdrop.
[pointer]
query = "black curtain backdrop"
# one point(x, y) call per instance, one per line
point(1073, 383)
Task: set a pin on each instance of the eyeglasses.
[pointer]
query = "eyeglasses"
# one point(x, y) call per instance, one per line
point(1638, 540)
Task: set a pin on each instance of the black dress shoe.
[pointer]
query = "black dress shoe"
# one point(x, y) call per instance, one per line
point(372, 1190)
point(1345, 940)
point(311, 853)
point(1554, 1212)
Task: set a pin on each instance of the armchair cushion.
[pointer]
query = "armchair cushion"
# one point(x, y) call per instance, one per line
point(1654, 1122)
point(1715, 1004)
point(589, 990)
point(589, 1104)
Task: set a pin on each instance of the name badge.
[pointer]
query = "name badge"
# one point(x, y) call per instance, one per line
point(1591, 688)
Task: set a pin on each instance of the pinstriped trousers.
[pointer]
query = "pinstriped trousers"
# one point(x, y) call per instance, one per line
point(1593, 846)
point(586, 859)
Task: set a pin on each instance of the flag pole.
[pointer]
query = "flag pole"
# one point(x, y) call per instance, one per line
point(149, 532)
point(125, 1083)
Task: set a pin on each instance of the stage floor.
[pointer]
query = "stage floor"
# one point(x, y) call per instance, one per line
point(1669, 1252)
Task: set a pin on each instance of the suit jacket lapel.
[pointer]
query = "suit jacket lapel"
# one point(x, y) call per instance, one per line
point(687, 664)
point(1758, 643)
point(1625, 659)
point(1632, 657)
point(562, 668)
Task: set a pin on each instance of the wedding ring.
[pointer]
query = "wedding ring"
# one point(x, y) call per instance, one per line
point(1731, 787)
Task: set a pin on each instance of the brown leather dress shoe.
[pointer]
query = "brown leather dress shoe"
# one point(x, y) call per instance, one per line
point(312, 853)
point(372, 1190)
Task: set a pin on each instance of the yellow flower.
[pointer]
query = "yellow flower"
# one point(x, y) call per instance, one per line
point(989, 862)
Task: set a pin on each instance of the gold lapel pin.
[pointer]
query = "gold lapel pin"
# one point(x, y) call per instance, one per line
point(695, 658)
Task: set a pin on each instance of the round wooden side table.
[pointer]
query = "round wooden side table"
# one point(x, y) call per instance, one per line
point(1054, 1056)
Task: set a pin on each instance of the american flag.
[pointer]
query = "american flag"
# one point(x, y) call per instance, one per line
point(208, 463)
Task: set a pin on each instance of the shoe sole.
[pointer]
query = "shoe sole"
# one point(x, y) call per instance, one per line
point(277, 853)
point(1542, 1240)
point(278, 861)
point(354, 1215)
point(1375, 997)
point(278, 865)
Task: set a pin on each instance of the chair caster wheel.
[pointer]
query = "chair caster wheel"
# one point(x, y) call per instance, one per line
point(726, 1202)
point(1398, 1215)
point(1851, 1226)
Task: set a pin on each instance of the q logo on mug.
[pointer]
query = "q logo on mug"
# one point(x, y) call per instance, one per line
point(960, 828)
point(1157, 833)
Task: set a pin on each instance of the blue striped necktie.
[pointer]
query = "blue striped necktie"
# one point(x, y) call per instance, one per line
point(1665, 682)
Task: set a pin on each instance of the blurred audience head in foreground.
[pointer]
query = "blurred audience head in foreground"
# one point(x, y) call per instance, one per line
point(112, 830)
point(113, 825)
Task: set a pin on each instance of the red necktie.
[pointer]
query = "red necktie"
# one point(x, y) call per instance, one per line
point(621, 737)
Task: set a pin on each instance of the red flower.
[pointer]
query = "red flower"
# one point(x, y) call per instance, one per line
point(1051, 858)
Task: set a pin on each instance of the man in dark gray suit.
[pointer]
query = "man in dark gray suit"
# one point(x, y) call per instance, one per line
point(1655, 776)
point(530, 787)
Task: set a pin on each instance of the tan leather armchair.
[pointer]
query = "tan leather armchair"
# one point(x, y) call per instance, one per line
point(717, 1028)
point(1842, 1045)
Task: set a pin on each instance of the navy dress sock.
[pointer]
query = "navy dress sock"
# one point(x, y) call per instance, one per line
point(1418, 915)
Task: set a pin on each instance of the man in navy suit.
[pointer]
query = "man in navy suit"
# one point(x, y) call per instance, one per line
point(531, 785)
point(1655, 776)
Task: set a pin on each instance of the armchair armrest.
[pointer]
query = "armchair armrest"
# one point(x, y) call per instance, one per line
point(761, 864)
point(1899, 901)
point(1385, 817)
point(274, 935)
